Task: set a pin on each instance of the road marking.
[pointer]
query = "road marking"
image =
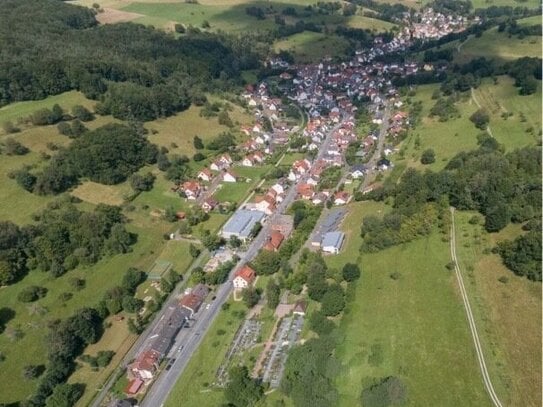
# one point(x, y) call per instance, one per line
point(478, 348)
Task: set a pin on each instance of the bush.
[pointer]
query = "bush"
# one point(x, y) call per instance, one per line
point(480, 118)
point(351, 272)
point(12, 147)
point(428, 157)
point(387, 392)
point(32, 293)
point(82, 113)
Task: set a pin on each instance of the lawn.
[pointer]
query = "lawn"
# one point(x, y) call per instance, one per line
point(413, 328)
point(233, 192)
point(368, 23)
point(194, 386)
point(95, 193)
point(310, 46)
point(508, 313)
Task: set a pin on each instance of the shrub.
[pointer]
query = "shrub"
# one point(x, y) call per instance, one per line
point(32, 293)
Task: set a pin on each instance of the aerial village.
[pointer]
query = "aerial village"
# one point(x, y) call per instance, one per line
point(335, 159)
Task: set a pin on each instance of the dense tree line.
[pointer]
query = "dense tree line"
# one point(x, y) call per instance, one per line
point(503, 187)
point(108, 155)
point(523, 255)
point(137, 71)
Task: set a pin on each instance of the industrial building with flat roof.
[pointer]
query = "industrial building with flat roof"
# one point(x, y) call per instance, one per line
point(241, 224)
point(332, 241)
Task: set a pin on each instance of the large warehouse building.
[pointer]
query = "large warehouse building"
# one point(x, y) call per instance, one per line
point(241, 224)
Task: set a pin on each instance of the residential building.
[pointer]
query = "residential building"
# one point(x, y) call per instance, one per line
point(244, 277)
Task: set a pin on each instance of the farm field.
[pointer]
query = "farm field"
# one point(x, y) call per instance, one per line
point(386, 328)
point(505, 312)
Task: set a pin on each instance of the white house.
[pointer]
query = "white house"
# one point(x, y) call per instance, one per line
point(228, 177)
point(244, 277)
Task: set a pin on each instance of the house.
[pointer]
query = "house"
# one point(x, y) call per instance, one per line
point(383, 164)
point(191, 189)
point(358, 171)
point(341, 198)
point(193, 301)
point(244, 277)
point(252, 159)
point(241, 224)
point(146, 364)
point(265, 204)
point(305, 191)
point(227, 176)
point(278, 188)
point(132, 388)
point(299, 308)
point(274, 241)
point(209, 204)
point(332, 242)
point(205, 175)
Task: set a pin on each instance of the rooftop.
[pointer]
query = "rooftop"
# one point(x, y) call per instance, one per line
point(333, 239)
point(242, 222)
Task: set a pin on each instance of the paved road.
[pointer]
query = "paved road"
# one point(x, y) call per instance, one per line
point(188, 340)
point(141, 341)
point(473, 328)
point(370, 175)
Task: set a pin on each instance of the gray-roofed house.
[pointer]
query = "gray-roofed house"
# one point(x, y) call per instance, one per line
point(241, 224)
point(332, 242)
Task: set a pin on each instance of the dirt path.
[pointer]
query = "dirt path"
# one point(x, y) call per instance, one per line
point(488, 129)
point(473, 328)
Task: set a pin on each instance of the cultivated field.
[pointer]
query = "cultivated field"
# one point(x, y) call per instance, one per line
point(413, 327)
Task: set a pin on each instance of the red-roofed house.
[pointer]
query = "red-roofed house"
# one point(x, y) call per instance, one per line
point(244, 277)
point(341, 198)
point(191, 189)
point(275, 240)
point(133, 386)
point(306, 191)
point(146, 364)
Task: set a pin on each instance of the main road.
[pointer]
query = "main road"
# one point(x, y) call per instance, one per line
point(188, 340)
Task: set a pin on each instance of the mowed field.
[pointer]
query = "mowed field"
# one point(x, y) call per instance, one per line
point(413, 327)
point(508, 313)
point(309, 46)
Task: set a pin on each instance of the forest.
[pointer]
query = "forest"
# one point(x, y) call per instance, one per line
point(62, 48)
point(504, 187)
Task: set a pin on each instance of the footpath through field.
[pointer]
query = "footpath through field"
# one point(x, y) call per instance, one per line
point(473, 328)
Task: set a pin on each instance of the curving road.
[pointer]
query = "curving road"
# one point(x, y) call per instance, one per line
point(473, 328)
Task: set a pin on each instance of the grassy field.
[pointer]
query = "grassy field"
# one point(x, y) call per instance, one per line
point(361, 21)
point(194, 386)
point(99, 277)
point(493, 44)
point(95, 193)
point(504, 97)
point(445, 138)
point(181, 129)
point(416, 323)
point(311, 46)
point(459, 134)
point(508, 313)
point(14, 111)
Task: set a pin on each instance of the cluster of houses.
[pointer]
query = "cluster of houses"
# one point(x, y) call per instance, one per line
point(147, 363)
point(431, 24)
